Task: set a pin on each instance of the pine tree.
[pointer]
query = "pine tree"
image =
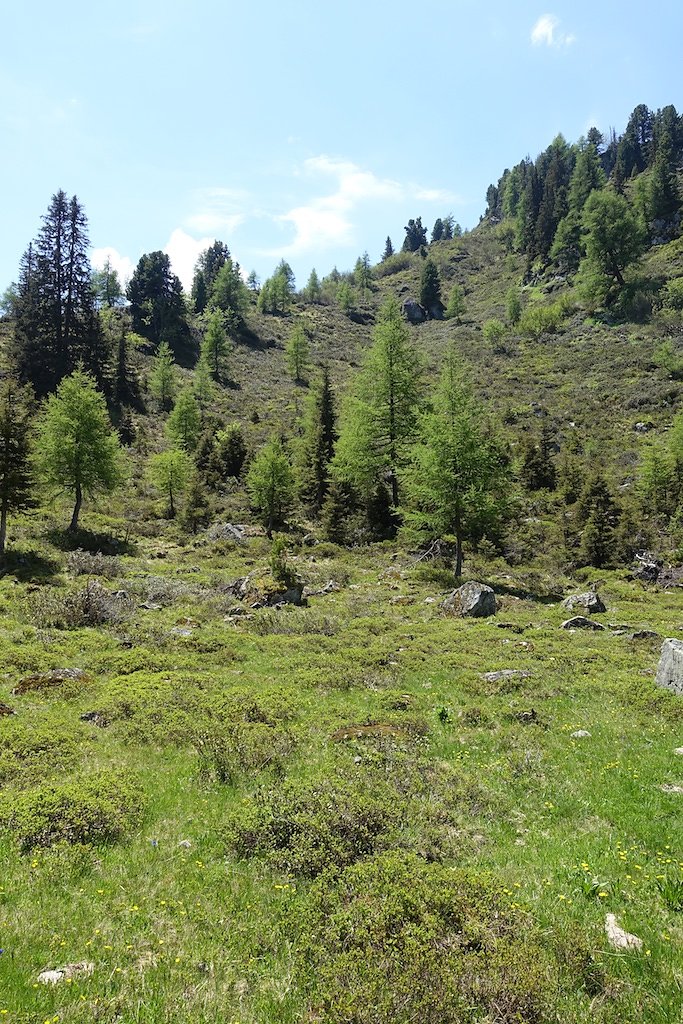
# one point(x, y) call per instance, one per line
point(170, 472)
point(229, 294)
point(599, 514)
point(388, 249)
point(76, 449)
point(156, 302)
point(15, 467)
point(456, 304)
point(196, 506)
point(381, 413)
point(416, 235)
point(206, 271)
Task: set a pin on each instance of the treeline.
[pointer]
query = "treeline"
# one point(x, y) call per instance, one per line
point(543, 200)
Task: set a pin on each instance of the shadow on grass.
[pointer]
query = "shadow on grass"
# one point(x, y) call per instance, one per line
point(28, 566)
point(87, 540)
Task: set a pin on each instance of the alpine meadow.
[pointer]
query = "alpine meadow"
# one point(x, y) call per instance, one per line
point(342, 627)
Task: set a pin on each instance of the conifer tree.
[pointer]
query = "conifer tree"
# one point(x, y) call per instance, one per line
point(15, 467)
point(381, 413)
point(229, 294)
point(430, 288)
point(56, 322)
point(297, 353)
point(317, 448)
point(313, 291)
point(388, 249)
point(170, 472)
point(457, 477)
point(456, 303)
point(216, 346)
point(162, 379)
point(270, 483)
point(362, 274)
point(184, 423)
point(76, 449)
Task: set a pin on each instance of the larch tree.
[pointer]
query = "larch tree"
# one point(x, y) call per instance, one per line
point(457, 480)
point(76, 449)
point(298, 354)
point(216, 346)
point(162, 379)
point(381, 412)
point(270, 483)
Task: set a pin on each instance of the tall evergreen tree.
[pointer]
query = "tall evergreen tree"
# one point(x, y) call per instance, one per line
point(56, 322)
point(430, 288)
point(317, 447)
point(216, 346)
point(156, 302)
point(270, 483)
point(162, 379)
point(15, 468)
point(297, 353)
point(416, 235)
point(388, 249)
point(206, 271)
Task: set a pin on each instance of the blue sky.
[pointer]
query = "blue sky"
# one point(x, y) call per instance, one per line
point(306, 131)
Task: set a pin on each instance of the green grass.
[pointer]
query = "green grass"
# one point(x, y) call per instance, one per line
point(380, 698)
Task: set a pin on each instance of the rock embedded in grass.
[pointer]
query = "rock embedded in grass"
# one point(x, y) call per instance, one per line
point(618, 938)
point(670, 668)
point(581, 622)
point(471, 599)
point(590, 602)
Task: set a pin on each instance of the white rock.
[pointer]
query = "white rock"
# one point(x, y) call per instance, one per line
point(618, 938)
point(185, 844)
point(82, 969)
point(669, 788)
point(580, 734)
point(679, 750)
point(50, 977)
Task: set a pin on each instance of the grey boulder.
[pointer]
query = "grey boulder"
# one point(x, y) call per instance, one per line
point(670, 668)
point(472, 599)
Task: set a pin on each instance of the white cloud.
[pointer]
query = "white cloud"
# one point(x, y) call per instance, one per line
point(218, 210)
point(546, 32)
point(184, 251)
point(123, 266)
point(326, 221)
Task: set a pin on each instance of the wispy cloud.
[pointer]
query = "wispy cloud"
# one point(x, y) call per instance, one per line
point(326, 221)
point(220, 210)
point(547, 32)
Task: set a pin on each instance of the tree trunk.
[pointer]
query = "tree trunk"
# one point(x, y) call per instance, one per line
point(3, 528)
point(458, 549)
point(73, 525)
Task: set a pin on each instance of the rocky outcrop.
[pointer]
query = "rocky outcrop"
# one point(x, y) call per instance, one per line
point(414, 312)
point(581, 622)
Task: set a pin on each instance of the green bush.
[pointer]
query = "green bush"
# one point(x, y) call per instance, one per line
point(305, 828)
point(392, 940)
point(31, 752)
point(538, 320)
point(89, 563)
point(229, 750)
point(393, 264)
point(90, 811)
point(493, 331)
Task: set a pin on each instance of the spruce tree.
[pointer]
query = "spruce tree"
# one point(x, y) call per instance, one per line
point(388, 249)
point(317, 447)
point(15, 467)
point(184, 423)
point(56, 323)
point(430, 288)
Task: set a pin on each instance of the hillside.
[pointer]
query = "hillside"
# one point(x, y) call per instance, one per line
point(254, 767)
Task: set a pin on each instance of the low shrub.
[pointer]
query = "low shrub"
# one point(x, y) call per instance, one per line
point(31, 752)
point(230, 750)
point(88, 563)
point(392, 939)
point(92, 605)
point(305, 828)
point(91, 811)
point(392, 265)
